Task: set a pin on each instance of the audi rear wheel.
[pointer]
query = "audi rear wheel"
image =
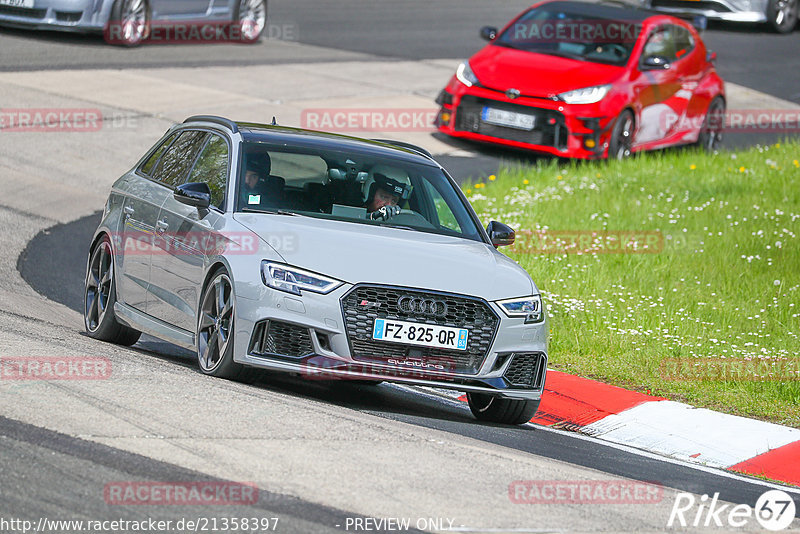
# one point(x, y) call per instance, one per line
point(99, 297)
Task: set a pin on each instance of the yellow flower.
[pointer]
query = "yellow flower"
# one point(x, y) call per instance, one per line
point(742, 169)
point(469, 191)
point(777, 145)
point(598, 175)
point(478, 186)
point(492, 178)
point(525, 181)
point(796, 163)
point(559, 177)
point(693, 166)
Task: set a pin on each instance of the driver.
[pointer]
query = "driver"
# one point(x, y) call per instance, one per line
point(256, 173)
point(385, 195)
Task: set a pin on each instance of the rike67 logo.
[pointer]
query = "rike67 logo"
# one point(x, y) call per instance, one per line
point(774, 510)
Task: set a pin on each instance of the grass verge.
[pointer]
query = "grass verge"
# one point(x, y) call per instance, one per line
point(675, 273)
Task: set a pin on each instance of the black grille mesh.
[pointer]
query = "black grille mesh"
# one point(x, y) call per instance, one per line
point(468, 119)
point(526, 370)
point(462, 312)
point(23, 12)
point(277, 337)
point(68, 16)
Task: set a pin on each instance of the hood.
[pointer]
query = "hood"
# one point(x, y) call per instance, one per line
point(355, 253)
point(535, 74)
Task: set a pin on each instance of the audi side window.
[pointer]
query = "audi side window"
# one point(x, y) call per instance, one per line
point(151, 161)
point(212, 168)
point(174, 166)
point(443, 211)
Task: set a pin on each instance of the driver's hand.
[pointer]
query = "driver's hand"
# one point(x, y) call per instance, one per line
point(385, 213)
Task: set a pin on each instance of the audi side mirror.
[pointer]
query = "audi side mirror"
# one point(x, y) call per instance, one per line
point(489, 33)
point(196, 194)
point(500, 234)
point(655, 63)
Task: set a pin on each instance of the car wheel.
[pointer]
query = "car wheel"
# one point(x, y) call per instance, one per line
point(621, 136)
point(498, 410)
point(215, 329)
point(129, 24)
point(251, 18)
point(99, 297)
point(782, 15)
point(711, 134)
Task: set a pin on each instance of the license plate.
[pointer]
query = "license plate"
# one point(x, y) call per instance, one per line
point(428, 335)
point(17, 3)
point(501, 117)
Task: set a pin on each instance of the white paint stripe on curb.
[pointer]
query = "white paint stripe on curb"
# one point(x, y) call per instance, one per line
point(692, 434)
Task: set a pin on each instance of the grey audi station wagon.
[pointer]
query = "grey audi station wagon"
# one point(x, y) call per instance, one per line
point(331, 257)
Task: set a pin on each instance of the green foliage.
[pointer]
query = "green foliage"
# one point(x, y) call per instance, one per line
point(709, 312)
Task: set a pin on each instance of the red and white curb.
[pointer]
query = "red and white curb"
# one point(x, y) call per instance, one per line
point(670, 428)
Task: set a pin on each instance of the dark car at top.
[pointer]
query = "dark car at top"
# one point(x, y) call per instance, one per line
point(589, 81)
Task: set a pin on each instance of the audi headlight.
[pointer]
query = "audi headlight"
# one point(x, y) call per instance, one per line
point(587, 95)
point(294, 280)
point(465, 75)
point(528, 307)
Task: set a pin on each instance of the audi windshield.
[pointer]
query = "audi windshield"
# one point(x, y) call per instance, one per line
point(351, 186)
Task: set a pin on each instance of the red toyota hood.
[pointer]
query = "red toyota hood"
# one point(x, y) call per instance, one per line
point(534, 74)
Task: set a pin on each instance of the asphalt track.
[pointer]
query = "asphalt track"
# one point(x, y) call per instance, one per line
point(749, 55)
point(46, 255)
point(51, 475)
point(44, 472)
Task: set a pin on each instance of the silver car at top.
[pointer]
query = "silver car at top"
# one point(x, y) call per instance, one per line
point(780, 15)
point(134, 16)
point(317, 254)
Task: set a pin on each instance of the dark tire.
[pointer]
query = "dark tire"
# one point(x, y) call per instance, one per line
point(498, 410)
point(619, 147)
point(215, 329)
point(129, 23)
point(99, 297)
point(782, 15)
point(251, 18)
point(711, 134)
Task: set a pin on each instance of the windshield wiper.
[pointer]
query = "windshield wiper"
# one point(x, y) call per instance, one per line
point(400, 226)
point(273, 212)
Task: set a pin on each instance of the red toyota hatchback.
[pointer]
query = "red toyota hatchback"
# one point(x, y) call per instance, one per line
point(586, 80)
